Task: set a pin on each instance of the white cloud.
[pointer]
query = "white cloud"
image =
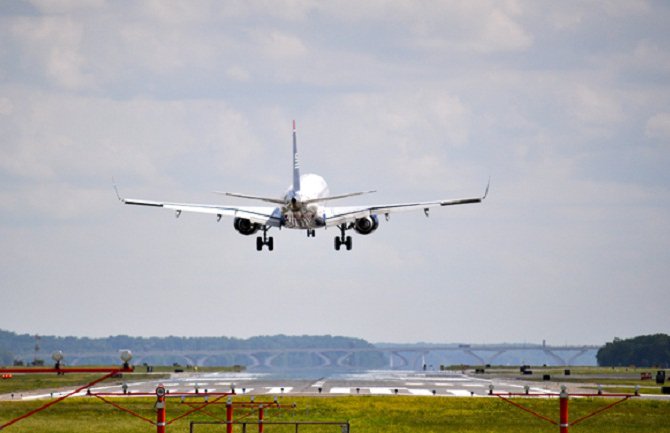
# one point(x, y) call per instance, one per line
point(594, 106)
point(279, 45)
point(658, 127)
point(482, 27)
point(53, 44)
point(420, 100)
point(238, 73)
point(60, 137)
point(6, 106)
point(66, 6)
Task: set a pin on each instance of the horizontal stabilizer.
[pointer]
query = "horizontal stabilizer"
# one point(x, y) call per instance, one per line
point(252, 197)
point(336, 197)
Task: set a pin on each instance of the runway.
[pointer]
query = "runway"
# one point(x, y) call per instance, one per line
point(382, 383)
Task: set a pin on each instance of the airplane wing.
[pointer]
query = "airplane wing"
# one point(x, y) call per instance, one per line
point(347, 214)
point(264, 215)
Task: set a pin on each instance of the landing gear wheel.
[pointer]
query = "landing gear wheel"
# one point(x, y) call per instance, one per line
point(343, 239)
point(265, 240)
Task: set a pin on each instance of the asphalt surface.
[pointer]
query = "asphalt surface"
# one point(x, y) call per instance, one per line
point(382, 382)
point(429, 384)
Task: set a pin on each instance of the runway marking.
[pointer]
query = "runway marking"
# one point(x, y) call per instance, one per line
point(420, 392)
point(340, 390)
point(414, 383)
point(277, 390)
point(459, 392)
point(543, 391)
point(380, 391)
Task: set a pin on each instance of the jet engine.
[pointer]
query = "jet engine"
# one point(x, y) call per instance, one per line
point(246, 227)
point(367, 225)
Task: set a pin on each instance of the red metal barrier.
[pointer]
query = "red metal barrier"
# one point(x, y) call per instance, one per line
point(229, 416)
point(161, 398)
point(260, 419)
point(58, 400)
point(563, 423)
point(63, 370)
point(160, 409)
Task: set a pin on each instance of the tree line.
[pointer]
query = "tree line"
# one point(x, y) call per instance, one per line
point(642, 351)
point(12, 344)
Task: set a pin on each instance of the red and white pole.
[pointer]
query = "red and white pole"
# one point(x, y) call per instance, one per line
point(229, 415)
point(260, 419)
point(563, 417)
point(160, 409)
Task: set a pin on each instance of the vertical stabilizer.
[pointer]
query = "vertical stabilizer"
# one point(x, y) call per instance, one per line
point(296, 164)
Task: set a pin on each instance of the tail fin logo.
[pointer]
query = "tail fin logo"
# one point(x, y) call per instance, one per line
point(296, 163)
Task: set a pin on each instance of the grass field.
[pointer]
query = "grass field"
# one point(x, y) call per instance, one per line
point(47, 381)
point(612, 379)
point(367, 414)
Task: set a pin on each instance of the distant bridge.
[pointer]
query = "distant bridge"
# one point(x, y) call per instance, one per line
point(391, 357)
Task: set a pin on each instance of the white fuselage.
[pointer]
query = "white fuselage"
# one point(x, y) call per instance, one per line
point(302, 209)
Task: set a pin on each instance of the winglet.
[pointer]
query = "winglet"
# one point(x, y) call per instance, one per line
point(117, 191)
point(488, 184)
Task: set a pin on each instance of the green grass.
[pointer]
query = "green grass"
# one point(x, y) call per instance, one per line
point(20, 383)
point(367, 414)
point(47, 381)
point(613, 379)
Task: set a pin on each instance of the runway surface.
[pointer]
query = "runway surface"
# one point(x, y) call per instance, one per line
point(429, 384)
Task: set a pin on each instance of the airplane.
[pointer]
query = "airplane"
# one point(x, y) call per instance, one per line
point(303, 207)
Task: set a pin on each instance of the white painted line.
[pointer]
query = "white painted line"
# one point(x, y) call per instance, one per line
point(98, 388)
point(459, 392)
point(338, 390)
point(380, 391)
point(543, 391)
point(277, 390)
point(420, 392)
point(414, 383)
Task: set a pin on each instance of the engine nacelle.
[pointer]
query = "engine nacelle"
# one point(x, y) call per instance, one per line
point(366, 225)
point(245, 226)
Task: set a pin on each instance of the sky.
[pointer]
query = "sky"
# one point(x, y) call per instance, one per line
point(565, 106)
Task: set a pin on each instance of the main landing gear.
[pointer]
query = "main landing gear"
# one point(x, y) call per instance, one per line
point(342, 239)
point(265, 240)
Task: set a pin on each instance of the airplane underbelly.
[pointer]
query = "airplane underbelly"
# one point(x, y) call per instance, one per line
point(302, 220)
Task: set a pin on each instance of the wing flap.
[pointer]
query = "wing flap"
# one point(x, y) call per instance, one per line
point(343, 215)
point(265, 215)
